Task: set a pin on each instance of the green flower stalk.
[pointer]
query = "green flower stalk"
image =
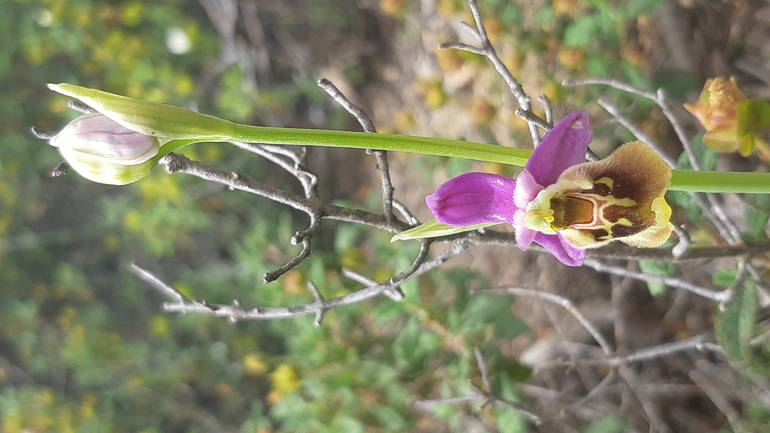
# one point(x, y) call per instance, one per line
point(176, 127)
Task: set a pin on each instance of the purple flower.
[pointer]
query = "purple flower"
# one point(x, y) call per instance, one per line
point(563, 203)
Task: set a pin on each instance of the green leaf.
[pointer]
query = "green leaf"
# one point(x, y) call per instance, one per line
point(510, 420)
point(677, 84)
point(725, 277)
point(641, 7)
point(687, 203)
point(609, 424)
point(509, 326)
point(734, 325)
point(706, 156)
point(414, 344)
point(581, 33)
point(757, 216)
point(434, 229)
point(483, 310)
point(652, 267)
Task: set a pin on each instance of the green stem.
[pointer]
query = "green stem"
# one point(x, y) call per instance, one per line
point(720, 181)
point(391, 142)
point(682, 180)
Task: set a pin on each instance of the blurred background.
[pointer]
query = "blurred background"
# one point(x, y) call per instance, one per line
point(84, 344)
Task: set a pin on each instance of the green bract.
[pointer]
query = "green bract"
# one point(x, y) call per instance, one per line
point(151, 118)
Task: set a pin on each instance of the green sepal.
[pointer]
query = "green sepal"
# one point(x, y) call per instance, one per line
point(753, 117)
point(151, 118)
point(434, 229)
point(109, 173)
point(753, 121)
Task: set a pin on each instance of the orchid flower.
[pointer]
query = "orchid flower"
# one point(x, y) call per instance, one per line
point(563, 203)
point(733, 122)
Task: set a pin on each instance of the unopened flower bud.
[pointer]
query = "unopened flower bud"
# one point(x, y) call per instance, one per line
point(717, 110)
point(103, 151)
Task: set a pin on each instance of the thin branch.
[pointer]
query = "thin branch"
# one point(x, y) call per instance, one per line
point(682, 247)
point(487, 50)
point(485, 396)
point(368, 126)
point(311, 205)
point(463, 47)
point(319, 315)
point(287, 160)
point(395, 293)
point(650, 409)
point(351, 108)
point(676, 283)
point(531, 117)
point(547, 108)
point(698, 343)
point(636, 131)
point(716, 397)
point(275, 274)
point(482, 369)
point(488, 398)
point(157, 283)
point(235, 311)
point(424, 249)
point(615, 84)
point(430, 404)
point(406, 213)
point(621, 251)
point(560, 301)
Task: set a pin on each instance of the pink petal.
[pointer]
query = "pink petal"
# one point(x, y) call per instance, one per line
point(474, 198)
point(526, 190)
point(563, 251)
point(524, 235)
point(561, 148)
